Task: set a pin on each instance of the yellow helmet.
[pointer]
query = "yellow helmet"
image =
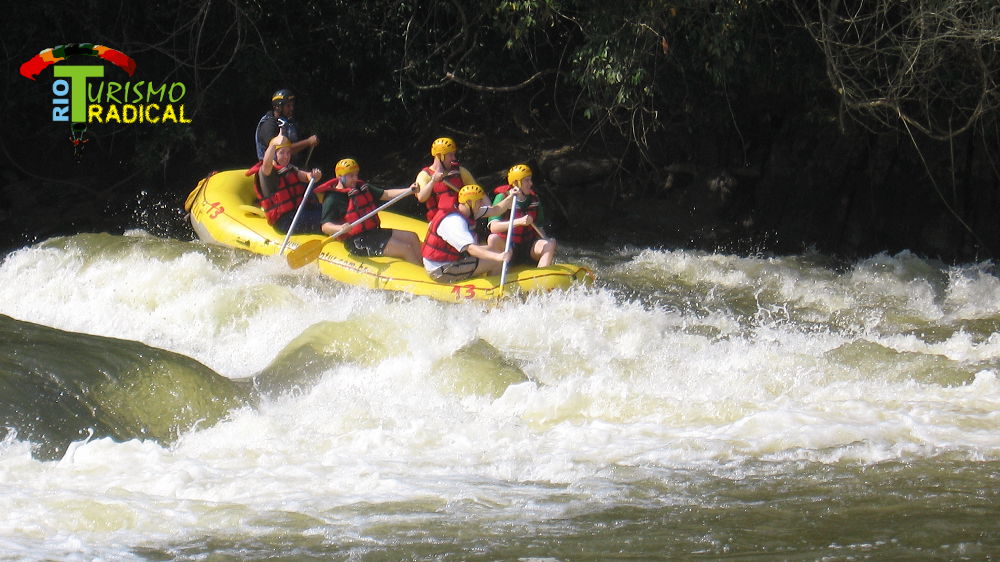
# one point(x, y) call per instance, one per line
point(517, 173)
point(471, 192)
point(442, 146)
point(346, 166)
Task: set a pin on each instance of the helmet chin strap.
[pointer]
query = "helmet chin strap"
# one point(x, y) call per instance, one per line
point(521, 195)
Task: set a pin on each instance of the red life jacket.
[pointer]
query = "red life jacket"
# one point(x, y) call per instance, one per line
point(438, 249)
point(521, 233)
point(286, 198)
point(444, 194)
point(360, 203)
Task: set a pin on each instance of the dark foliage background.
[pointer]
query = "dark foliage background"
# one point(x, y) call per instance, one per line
point(745, 126)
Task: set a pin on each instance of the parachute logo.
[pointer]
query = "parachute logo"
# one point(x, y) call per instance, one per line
point(48, 57)
point(33, 67)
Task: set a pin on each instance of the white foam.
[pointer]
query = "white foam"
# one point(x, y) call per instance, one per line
point(758, 360)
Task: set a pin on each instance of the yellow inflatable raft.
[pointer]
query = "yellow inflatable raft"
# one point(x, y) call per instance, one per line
point(222, 211)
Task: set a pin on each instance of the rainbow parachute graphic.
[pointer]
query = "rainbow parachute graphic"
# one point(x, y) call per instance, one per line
point(48, 57)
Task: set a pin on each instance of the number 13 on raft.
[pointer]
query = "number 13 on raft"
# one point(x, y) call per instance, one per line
point(464, 291)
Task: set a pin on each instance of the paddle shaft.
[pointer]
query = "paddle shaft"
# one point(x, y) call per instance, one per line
point(309, 155)
point(310, 251)
point(348, 227)
point(298, 212)
point(510, 238)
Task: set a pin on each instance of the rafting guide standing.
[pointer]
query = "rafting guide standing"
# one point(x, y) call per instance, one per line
point(281, 119)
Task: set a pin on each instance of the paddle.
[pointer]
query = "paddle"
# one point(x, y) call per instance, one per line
point(510, 238)
point(298, 211)
point(309, 251)
point(309, 155)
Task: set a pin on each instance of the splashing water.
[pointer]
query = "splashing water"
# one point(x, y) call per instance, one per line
point(689, 404)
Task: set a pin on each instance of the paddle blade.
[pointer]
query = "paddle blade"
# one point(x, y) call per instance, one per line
point(306, 253)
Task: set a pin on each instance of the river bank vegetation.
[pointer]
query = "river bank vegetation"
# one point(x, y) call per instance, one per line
point(774, 126)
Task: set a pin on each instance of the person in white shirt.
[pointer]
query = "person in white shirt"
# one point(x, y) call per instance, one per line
point(451, 252)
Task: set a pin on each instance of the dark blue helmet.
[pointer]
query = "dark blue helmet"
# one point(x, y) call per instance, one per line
point(281, 97)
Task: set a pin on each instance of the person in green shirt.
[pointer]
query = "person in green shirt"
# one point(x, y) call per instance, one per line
point(348, 200)
point(529, 244)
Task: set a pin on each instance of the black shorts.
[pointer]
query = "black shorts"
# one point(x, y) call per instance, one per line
point(458, 270)
point(370, 243)
point(522, 254)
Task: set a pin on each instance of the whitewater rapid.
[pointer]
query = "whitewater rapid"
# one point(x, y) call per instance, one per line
point(676, 376)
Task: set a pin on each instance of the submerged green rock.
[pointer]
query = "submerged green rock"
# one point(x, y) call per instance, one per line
point(56, 386)
point(477, 368)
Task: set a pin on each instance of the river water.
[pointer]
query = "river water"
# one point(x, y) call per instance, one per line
point(687, 406)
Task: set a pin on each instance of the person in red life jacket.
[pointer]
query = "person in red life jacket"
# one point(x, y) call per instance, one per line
point(527, 244)
point(451, 252)
point(281, 186)
point(439, 183)
point(348, 200)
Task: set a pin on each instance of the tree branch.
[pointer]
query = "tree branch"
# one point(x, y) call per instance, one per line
point(521, 86)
